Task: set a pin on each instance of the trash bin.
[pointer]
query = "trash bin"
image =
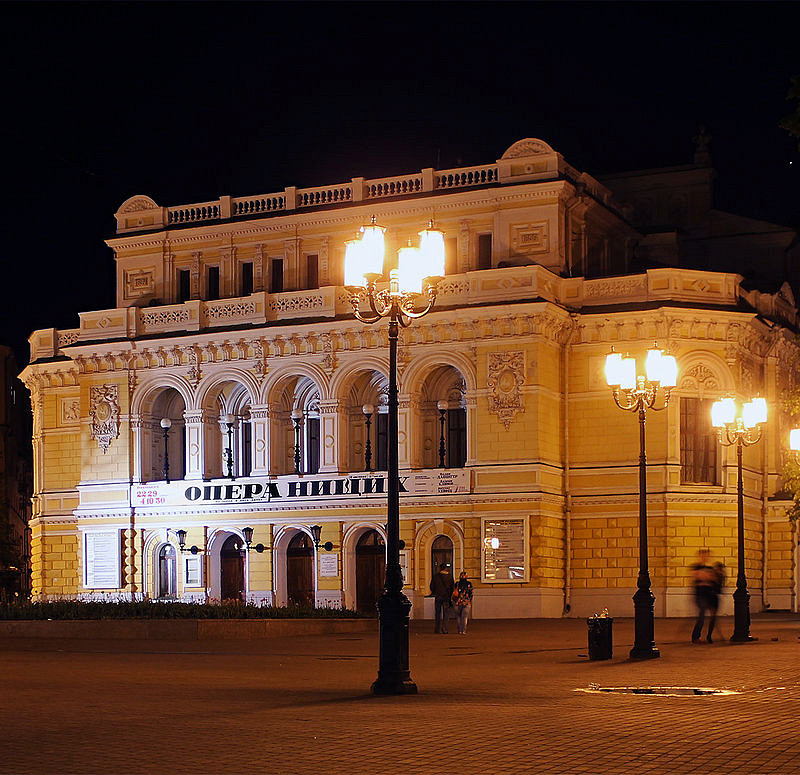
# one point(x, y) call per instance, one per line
point(601, 637)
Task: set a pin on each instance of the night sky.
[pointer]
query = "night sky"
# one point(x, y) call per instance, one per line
point(185, 102)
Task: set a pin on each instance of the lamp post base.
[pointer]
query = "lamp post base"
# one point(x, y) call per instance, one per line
point(644, 653)
point(394, 676)
point(644, 646)
point(741, 614)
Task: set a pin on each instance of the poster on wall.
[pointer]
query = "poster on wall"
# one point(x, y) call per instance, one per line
point(328, 565)
point(101, 560)
point(505, 550)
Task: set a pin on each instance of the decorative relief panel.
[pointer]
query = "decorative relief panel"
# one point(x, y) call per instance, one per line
point(70, 411)
point(505, 380)
point(104, 413)
point(139, 282)
point(530, 238)
point(699, 378)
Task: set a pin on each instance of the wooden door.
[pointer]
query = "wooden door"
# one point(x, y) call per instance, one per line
point(370, 571)
point(300, 570)
point(231, 562)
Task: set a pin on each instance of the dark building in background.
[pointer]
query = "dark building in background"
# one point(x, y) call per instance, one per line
point(16, 483)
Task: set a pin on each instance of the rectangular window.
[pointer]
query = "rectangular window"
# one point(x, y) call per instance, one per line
point(456, 438)
point(312, 449)
point(485, 251)
point(312, 273)
point(451, 255)
point(276, 277)
point(382, 441)
point(247, 278)
point(698, 442)
point(212, 283)
point(184, 285)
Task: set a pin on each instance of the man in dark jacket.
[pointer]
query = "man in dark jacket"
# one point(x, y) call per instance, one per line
point(442, 586)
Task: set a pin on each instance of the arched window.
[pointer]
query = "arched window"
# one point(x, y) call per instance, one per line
point(167, 586)
point(168, 409)
point(441, 554)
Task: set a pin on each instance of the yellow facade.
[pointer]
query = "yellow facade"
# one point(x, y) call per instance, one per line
point(515, 347)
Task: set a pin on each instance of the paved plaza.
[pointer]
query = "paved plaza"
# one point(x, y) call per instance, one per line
point(505, 698)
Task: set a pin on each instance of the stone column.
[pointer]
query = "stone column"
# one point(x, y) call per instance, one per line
point(259, 424)
point(142, 444)
point(202, 442)
point(408, 450)
point(332, 436)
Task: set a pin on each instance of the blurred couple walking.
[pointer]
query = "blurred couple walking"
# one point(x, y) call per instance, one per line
point(708, 582)
point(446, 594)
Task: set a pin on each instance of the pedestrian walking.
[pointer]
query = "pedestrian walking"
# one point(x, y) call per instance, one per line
point(707, 583)
point(462, 597)
point(442, 586)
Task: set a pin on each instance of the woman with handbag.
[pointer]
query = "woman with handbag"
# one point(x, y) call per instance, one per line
point(462, 599)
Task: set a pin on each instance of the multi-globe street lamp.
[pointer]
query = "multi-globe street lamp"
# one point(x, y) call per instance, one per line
point(230, 422)
point(442, 406)
point(637, 393)
point(742, 430)
point(410, 294)
point(368, 410)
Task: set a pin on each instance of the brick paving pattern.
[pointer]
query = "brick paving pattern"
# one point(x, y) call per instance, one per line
point(502, 699)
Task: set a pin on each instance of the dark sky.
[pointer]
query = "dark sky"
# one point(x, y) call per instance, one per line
point(188, 101)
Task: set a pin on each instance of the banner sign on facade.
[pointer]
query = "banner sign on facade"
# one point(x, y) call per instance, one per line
point(262, 491)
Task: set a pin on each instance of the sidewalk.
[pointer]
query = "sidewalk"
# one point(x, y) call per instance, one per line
point(505, 698)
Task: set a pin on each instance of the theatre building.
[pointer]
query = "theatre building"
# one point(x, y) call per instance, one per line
point(222, 432)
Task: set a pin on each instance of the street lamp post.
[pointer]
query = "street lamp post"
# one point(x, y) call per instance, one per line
point(367, 410)
point(442, 406)
point(297, 418)
point(636, 393)
point(166, 424)
point(230, 421)
point(417, 274)
point(741, 431)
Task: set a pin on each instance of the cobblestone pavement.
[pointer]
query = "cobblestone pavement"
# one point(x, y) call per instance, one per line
point(505, 698)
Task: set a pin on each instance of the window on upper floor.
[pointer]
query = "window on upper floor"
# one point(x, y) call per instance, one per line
point(312, 271)
point(698, 443)
point(485, 251)
point(184, 285)
point(212, 283)
point(247, 278)
point(276, 276)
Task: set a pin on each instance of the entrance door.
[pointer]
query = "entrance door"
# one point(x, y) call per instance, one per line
point(167, 575)
point(370, 570)
point(300, 570)
point(231, 563)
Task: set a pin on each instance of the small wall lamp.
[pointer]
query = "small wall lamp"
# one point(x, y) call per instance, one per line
point(316, 531)
point(182, 543)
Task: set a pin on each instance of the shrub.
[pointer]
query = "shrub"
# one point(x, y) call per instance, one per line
point(146, 609)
